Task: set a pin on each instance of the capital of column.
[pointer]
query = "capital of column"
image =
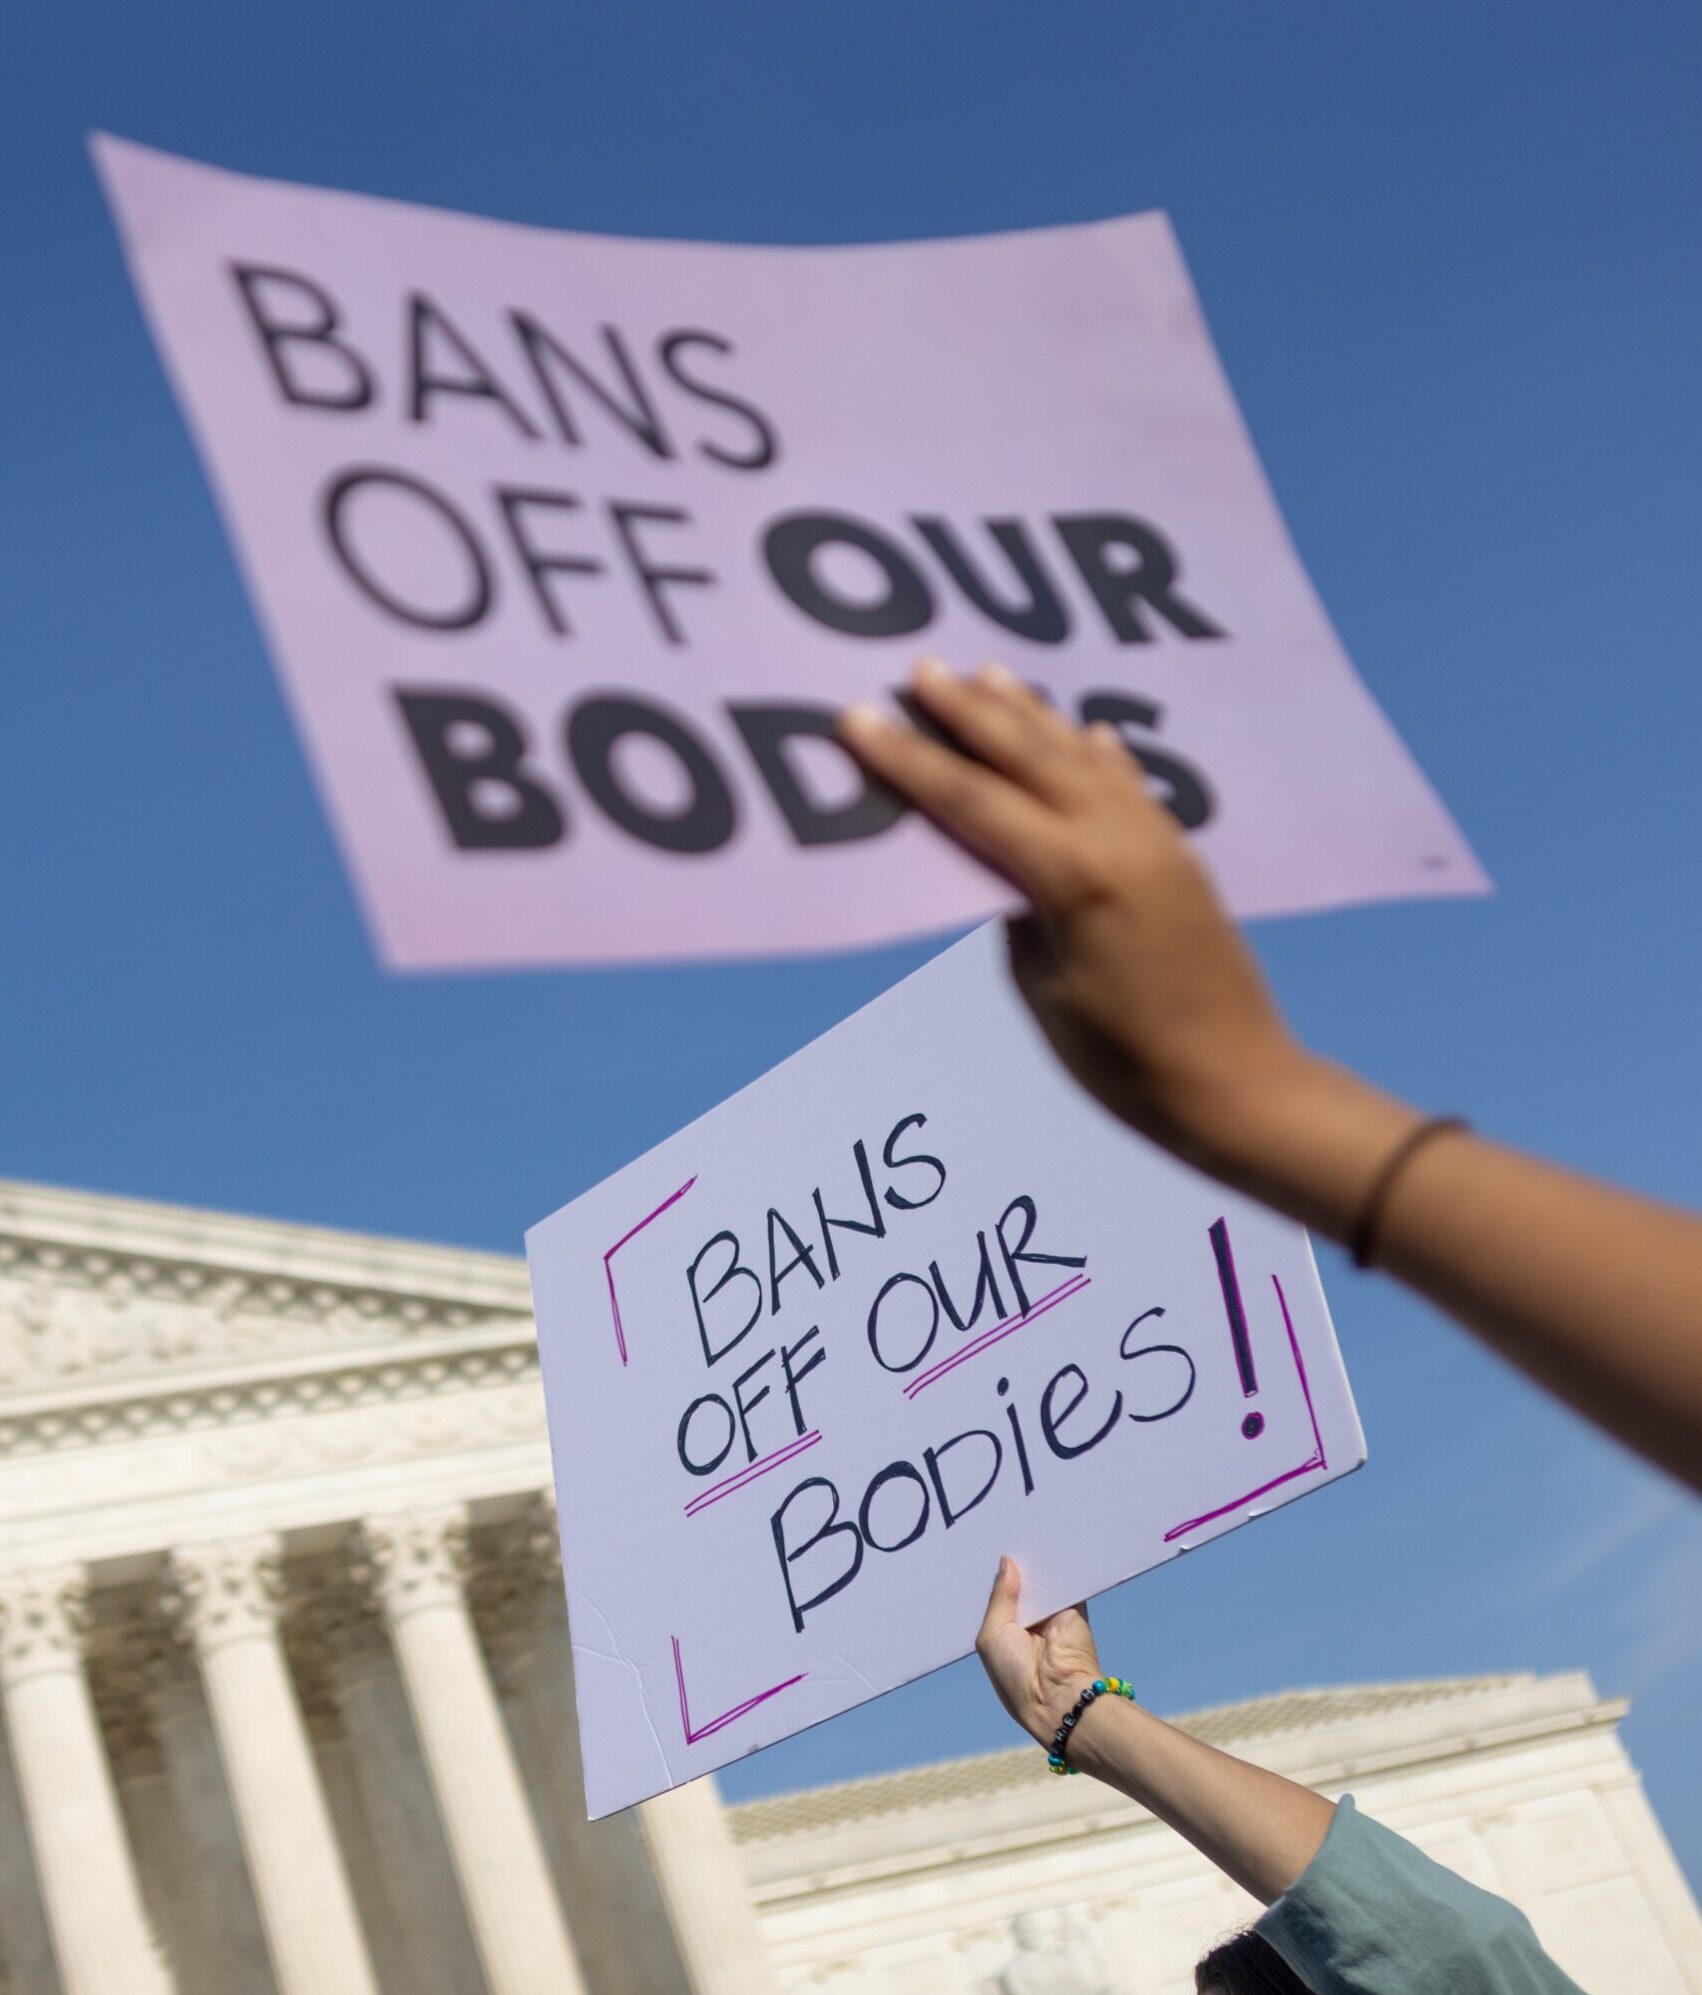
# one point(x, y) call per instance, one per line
point(227, 1591)
point(44, 1616)
point(413, 1559)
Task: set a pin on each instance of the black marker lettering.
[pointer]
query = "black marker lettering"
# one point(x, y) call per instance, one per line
point(1017, 1256)
point(1154, 1350)
point(986, 1289)
point(795, 1378)
point(831, 1527)
point(893, 1472)
point(896, 1199)
point(1051, 1422)
point(876, 1224)
point(1016, 1435)
point(748, 1406)
point(934, 1456)
point(889, 1287)
point(801, 1258)
point(688, 1461)
point(734, 1270)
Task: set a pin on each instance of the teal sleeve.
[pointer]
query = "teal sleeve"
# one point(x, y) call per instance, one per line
point(1372, 1915)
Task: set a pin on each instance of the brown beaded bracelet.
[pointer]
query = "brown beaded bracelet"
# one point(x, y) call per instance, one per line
point(1362, 1236)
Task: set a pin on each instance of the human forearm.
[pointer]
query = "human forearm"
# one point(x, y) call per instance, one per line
point(1594, 1293)
point(1153, 1001)
point(1589, 1290)
point(1258, 1828)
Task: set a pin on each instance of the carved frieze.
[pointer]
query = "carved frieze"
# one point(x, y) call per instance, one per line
point(77, 1315)
point(148, 1410)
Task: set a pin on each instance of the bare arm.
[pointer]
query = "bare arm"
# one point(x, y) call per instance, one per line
point(1258, 1828)
point(1594, 1293)
point(1150, 996)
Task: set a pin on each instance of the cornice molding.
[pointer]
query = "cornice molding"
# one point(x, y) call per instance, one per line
point(136, 1230)
point(217, 1400)
point(121, 1322)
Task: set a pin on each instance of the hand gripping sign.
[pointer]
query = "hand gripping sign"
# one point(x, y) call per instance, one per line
point(568, 549)
point(910, 1301)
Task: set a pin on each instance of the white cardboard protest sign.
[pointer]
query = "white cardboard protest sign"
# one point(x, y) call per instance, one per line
point(910, 1301)
point(568, 548)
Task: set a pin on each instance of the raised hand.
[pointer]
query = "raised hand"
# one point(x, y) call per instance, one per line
point(1147, 991)
point(1040, 1671)
point(1138, 977)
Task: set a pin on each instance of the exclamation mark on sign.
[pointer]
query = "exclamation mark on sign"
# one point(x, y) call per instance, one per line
point(1254, 1424)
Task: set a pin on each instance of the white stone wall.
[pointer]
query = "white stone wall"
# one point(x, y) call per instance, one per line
point(285, 1678)
point(1520, 1785)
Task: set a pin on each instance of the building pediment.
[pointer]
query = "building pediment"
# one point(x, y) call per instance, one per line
point(102, 1288)
point(150, 1354)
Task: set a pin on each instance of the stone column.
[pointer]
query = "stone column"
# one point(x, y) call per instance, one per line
point(706, 1892)
point(415, 1562)
point(414, 1870)
point(27, 1943)
point(679, 1839)
point(225, 1597)
point(622, 1930)
point(102, 1943)
point(229, 1947)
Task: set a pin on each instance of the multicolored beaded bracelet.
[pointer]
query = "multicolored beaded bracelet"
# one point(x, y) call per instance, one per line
point(1101, 1686)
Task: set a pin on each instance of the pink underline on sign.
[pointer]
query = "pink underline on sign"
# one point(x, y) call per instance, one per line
point(1300, 1367)
point(1049, 1300)
point(761, 1466)
point(609, 1260)
point(727, 1717)
point(1317, 1459)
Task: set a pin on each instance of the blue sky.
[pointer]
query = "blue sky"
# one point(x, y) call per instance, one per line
point(1449, 254)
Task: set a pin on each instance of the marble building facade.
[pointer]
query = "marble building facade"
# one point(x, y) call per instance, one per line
point(287, 1693)
point(987, 1877)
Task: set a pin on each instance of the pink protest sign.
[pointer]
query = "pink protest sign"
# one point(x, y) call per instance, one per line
point(569, 547)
